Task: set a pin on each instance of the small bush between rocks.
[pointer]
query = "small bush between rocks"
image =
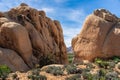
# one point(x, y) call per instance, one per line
point(46, 60)
point(101, 63)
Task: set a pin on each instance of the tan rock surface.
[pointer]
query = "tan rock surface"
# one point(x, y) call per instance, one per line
point(14, 36)
point(99, 37)
point(32, 34)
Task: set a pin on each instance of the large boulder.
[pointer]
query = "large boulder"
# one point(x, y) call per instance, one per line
point(14, 36)
point(99, 37)
point(12, 59)
point(32, 35)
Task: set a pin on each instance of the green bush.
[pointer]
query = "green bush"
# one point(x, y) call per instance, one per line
point(71, 69)
point(111, 76)
point(54, 70)
point(70, 57)
point(102, 63)
point(116, 59)
point(74, 77)
point(102, 72)
point(88, 76)
point(89, 65)
point(36, 76)
point(4, 71)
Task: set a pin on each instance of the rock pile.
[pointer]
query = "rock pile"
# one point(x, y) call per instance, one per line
point(26, 35)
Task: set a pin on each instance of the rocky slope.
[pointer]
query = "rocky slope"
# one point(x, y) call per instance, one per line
point(28, 35)
point(99, 37)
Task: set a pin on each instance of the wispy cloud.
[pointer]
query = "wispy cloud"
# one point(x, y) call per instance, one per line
point(69, 33)
point(76, 15)
point(48, 10)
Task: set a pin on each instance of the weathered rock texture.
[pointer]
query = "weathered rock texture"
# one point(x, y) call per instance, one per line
point(26, 34)
point(100, 37)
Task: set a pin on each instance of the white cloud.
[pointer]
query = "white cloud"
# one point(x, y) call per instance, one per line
point(48, 10)
point(76, 15)
point(71, 30)
point(69, 33)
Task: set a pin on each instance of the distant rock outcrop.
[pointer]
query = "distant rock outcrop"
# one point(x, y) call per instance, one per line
point(69, 50)
point(26, 35)
point(100, 37)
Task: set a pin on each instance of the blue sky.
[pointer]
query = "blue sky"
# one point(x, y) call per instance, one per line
point(70, 13)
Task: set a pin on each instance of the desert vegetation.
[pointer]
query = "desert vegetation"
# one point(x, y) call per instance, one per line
point(100, 69)
point(70, 57)
point(4, 71)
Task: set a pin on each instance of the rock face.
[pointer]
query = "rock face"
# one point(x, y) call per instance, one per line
point(99, 37)
point(29, 35)
point(11, 58)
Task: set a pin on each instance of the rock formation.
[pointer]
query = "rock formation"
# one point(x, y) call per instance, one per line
point(99, 37)
point(26, 35)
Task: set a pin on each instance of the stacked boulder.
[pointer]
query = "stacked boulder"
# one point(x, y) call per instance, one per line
point(26, 34)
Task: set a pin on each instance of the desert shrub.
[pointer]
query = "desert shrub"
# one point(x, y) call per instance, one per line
point(116, 59)
point(4, 71)
point(87, 75)
point(89, 65)
point(102, 72)
point(36, 76)
point(100, 75)
point(54, 70)
point(74, 77)
point(105, 75)
point(112, 76)
point(70, 57)
point(46, 60)
point(102, 63)
point(71, 69)
point(35, 71)
point(111, 64)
